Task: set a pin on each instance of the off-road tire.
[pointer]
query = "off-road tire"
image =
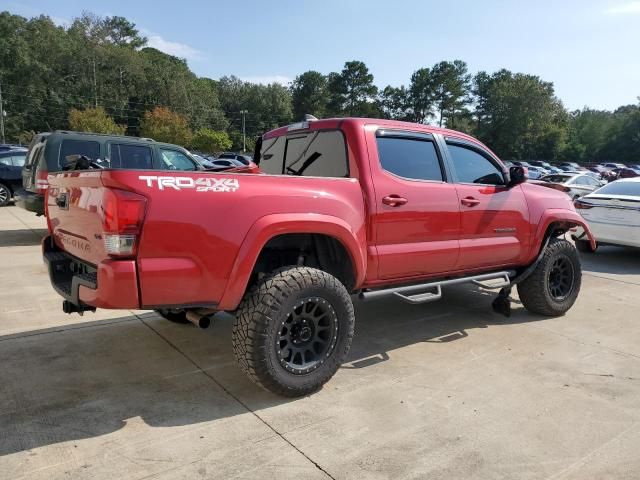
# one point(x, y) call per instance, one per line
point(173, 316)
point(5, 195)
point(584, 246)
point(258, 327)
point(535, 291)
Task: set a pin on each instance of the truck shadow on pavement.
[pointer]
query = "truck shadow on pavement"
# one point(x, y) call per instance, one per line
point(95, 378)
point(22, 238)
point(614, 260)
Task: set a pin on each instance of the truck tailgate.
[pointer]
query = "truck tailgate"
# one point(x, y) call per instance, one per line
point(77, 204)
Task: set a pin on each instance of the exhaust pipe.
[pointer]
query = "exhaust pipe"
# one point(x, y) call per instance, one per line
point(68, 307)
point(201, 317)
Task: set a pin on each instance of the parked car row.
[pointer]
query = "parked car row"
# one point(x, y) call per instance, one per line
point(11, 162)
point(613, 213)
point(573, 184)
point(55, 151)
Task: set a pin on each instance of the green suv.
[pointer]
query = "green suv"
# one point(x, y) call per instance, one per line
point(49, 152)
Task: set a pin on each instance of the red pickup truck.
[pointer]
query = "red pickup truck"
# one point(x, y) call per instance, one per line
point(337, 207)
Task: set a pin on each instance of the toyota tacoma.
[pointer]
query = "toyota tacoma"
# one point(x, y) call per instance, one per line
point(338, 208)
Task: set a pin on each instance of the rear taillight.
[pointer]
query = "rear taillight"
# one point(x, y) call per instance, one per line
point(580, 205)
point(41, 181)
point(122, 217)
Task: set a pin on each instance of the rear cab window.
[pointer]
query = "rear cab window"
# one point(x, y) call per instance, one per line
point(320, 153)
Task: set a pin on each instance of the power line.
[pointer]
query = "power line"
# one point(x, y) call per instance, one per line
point(189, 111)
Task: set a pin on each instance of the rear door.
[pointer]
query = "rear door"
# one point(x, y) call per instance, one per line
point(417, 215)
point(494, 219)
point(35, 155)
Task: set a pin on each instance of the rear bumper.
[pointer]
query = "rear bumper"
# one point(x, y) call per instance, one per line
point(30, 201)
point(112, 284)
point(612, 234)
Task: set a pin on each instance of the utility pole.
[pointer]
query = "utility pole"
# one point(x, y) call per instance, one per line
point(95, 83)
point(244, 131)
point(2, 113)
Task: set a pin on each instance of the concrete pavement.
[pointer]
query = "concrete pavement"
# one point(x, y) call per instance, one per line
point(445, 390)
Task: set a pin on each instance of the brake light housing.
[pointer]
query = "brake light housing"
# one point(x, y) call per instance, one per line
point(122, 215)
point(42, 183)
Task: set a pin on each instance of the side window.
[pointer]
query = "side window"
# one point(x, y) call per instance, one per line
point(409, 158)
point(472, 167)
point(18, 160)
point(175, 160)
point(130, 156)
point(78, 147)
point(33, 154)
point(593, 182)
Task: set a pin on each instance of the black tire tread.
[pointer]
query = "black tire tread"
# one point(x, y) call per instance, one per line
point(10, 194)
point(255, 314)
point(533, 292)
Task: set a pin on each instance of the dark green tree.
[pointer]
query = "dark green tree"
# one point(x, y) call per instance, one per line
point(395, 103)
point(519, 116)
point(421, 95)
point(450, 87)
point(352, 92)
point(309, 95)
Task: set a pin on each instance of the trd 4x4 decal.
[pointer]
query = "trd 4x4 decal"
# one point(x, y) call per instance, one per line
point(206, 184)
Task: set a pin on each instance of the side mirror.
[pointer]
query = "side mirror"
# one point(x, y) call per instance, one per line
point(517, 175)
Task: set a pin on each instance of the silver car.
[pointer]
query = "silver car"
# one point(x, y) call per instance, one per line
point(573, 184)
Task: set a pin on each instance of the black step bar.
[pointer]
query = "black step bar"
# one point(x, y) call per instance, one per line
point(416, 293)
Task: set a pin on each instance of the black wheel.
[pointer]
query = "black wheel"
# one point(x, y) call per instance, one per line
point(293, 330)
point(173, 315)
point(5, 195)
point(584, 246)
point(554, 285)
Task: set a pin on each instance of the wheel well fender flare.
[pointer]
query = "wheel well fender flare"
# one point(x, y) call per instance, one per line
point(557, 219)
point(270, 226)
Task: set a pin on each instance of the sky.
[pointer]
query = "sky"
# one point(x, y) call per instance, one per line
point(589, 49)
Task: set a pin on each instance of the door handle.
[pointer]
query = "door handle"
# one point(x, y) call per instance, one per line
point(394, 200)
point(469, 201)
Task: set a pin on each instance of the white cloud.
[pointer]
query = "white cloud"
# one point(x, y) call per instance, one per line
point(177, 49)
point(61, 22)
point(624, 8)
point(267, 79)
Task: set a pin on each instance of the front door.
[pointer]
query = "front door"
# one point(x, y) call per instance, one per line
point(417, 217)
point(494, 223)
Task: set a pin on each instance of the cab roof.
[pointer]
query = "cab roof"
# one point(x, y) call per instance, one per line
point(337, 123)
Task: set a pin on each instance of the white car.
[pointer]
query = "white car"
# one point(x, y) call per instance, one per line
point(613, 214)
point(536, 172)
point(573, 184)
